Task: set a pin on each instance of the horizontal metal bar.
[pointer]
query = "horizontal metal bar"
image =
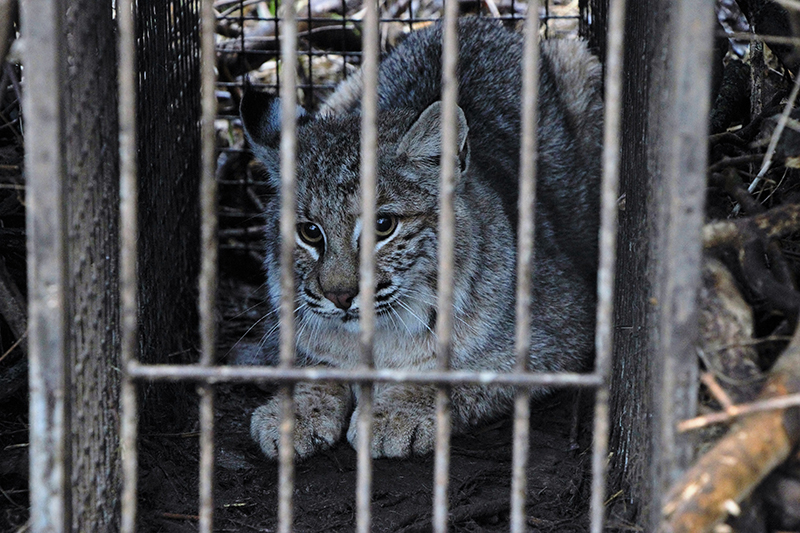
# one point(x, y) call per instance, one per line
point(237, 374)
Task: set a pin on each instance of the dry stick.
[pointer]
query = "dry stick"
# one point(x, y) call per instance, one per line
point(716, 391)
point(16, 343)
point(735, 411)
point(754, 446)
point(733, 161)
point(492, 7)
point(768, 39)
point(775, 223)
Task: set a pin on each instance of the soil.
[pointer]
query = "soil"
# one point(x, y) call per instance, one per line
point(324, 497)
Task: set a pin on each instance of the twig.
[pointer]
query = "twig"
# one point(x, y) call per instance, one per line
point(733, 161)
point(774, 223)
point(727, 137)
point(769, 39)
point(16, 343)
point(178, 516)
point(492, 7)
point(732, 184)
point(188, 435)
point(256, 200)
point(755, 445)
point(755, 342)
point(734, 411)
point(716, 391)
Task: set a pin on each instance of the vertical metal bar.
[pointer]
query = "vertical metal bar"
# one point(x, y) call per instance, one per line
point(206, 488)
point(680, 192)
point(129, 236)
point(208, 268)
point(42, 26)
point(366, 290)
point(444, 323)
point(608, 256)
point(288, 93)
point(525, 258)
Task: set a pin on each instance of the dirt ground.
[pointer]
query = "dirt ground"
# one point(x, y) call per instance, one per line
point(324, 498)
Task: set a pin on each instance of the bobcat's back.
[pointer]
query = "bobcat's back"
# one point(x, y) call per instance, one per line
point(490, 81)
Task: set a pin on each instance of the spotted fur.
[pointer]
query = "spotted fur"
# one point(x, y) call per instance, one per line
point(486, 199)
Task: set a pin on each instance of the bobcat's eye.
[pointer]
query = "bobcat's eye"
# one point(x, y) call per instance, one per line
point(385, 226)
point(310, 233)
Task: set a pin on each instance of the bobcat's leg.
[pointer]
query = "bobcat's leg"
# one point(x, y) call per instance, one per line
point(404, 420)
point(321, 411)
point(405, 416)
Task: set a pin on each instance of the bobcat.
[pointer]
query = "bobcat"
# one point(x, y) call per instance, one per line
point(328, 228)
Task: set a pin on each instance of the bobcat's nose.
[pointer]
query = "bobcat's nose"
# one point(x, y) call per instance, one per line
point(342, 299)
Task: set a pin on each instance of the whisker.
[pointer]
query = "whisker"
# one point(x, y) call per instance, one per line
point(412, 313)
point(261, 301)
point(246, 333)
point(456, 316)
point(394, 311)
point(268, 334)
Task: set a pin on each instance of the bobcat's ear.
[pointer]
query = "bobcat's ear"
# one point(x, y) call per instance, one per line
point(422, 143)
point(261, 118)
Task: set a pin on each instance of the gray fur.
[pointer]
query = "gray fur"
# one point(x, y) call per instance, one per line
point(570, 127)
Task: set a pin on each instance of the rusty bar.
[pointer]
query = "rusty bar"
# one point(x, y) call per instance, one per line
point(525, 258)
point(208, 265)
point(129, 236)
point(366, 291)
point(239, 374)
point(446, 252)
point(288, 94)
point(604, 333)
point(48, 377)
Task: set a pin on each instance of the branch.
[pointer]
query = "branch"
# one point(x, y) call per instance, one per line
point(776, 223)
point(755, 445)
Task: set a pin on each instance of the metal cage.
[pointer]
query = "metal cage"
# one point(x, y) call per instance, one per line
point(656, 104)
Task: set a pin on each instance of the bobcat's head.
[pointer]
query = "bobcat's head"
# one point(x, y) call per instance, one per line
point(328, 214)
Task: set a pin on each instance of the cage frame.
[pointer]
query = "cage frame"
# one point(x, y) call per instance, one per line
point(680, 169)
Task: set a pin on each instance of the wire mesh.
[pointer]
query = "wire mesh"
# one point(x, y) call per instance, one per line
point(525, 258)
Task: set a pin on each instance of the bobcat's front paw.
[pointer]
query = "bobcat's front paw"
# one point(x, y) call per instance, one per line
point(404, 421)
point(320, 414)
